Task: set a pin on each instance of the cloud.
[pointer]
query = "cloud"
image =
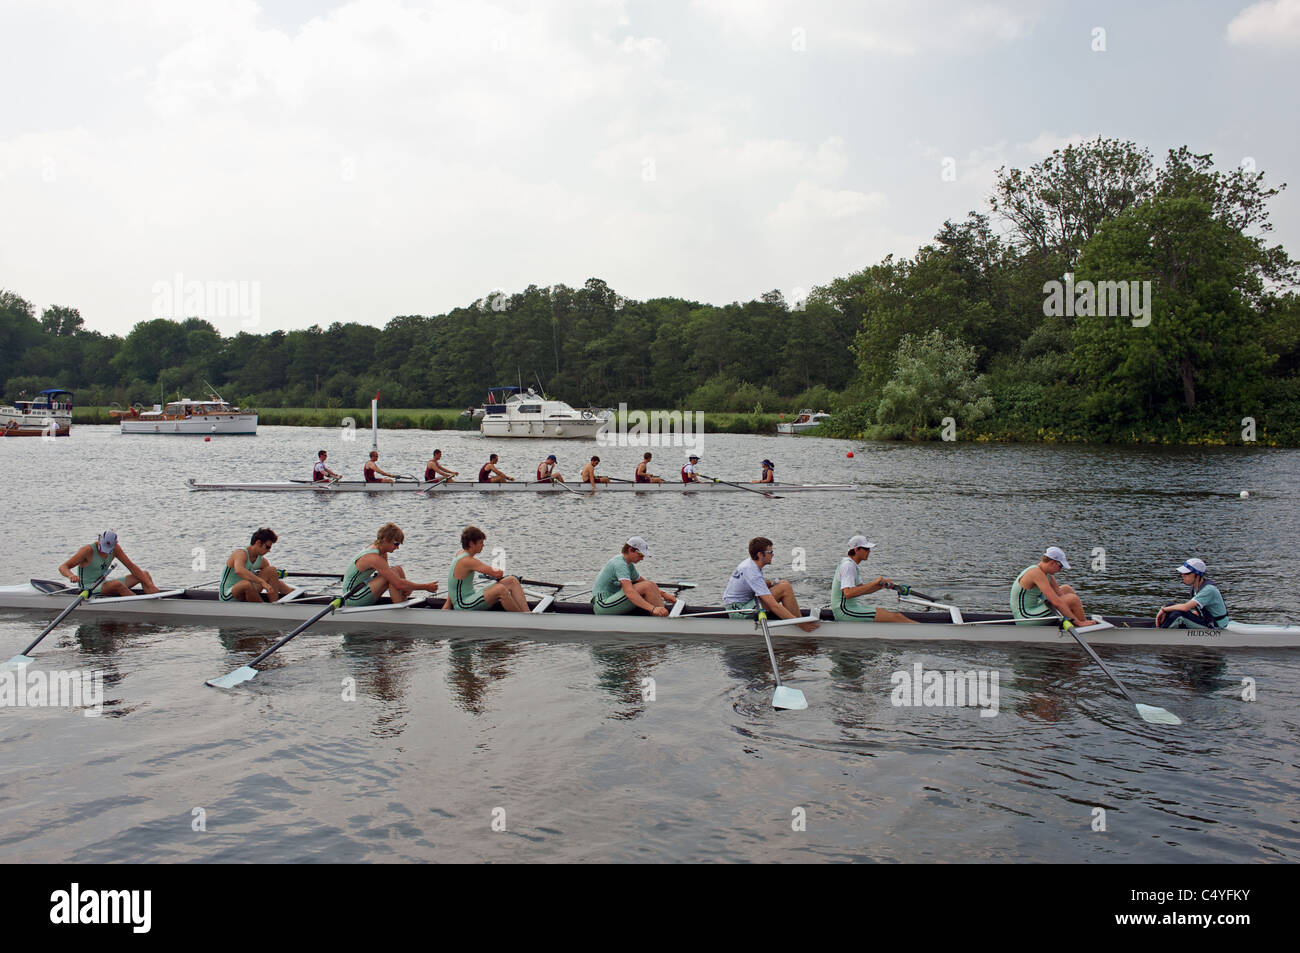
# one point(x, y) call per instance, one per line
point(1273, 23)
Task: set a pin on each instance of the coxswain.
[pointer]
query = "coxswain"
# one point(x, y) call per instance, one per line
point(769, 473)
point(1204, 610)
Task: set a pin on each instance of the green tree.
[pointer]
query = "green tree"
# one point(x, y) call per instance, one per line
point(934, 377)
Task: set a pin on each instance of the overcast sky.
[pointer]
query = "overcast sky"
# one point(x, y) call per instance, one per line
point(357, 161)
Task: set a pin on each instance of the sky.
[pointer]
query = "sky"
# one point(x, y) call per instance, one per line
point(367, 159)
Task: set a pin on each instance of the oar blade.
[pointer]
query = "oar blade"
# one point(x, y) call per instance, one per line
point(1157, 716)
point(237, 677)
point(789, 698)
point(18, 661)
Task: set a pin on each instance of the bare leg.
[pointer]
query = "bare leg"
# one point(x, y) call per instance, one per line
point(509, 593)
point(274, 583)
point(888, 615)
point(132, 582)
point(648, 591)
point(783, 593)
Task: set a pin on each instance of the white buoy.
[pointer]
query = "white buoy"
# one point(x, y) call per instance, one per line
point(1245, 493)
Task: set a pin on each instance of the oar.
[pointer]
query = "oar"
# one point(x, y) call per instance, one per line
point(24, 657)
point(740, 486)
point(783, 697)
point(903, 590)
point(425, 491)
point(247, 673)
point(1149, 713)
point(312, 575)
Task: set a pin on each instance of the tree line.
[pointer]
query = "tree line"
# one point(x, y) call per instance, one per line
point(1005, 326)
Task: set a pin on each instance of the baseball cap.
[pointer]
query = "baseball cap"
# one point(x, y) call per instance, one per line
point(107, 542)
point(1193, 565)
point(693, 456)
point(551, 457)
point(640, 545)
point(860, 542)
point(1057, 553)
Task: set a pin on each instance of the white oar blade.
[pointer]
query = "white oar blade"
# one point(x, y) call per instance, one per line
point(789, 698)
point(18, 661)
point(237, 677)
point(1158, 716)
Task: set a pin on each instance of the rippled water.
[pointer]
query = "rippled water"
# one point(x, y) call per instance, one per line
point(556, 733)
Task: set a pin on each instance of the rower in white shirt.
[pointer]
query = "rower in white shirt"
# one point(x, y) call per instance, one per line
point(847, 588)
point(747, 589)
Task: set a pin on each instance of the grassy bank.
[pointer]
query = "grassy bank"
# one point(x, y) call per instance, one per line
point(415, 418)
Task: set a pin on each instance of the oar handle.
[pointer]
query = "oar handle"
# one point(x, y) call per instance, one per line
point(312, 575)
point(82, 596)
point(538, 582)
point(905, 590)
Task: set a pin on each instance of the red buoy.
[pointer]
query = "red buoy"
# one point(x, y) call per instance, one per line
point(207, 439)
point(849, 454)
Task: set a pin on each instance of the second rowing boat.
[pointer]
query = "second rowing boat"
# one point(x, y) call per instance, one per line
point(434, 487)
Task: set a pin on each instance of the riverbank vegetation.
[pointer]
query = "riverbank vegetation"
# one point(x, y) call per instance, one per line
point(1100, 297)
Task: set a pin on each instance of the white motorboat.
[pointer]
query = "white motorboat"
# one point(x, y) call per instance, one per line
point(510, 412)
point(46, 415)
point(804, 420)
point(193, 417)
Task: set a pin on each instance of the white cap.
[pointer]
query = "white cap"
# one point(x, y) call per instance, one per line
point(1057, 553)
point(1193, 565)
point(107, 542)
point(860, 542)
point(640, 545)
point(693, 456)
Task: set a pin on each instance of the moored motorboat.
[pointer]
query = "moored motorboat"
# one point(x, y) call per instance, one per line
point(804, 420)
point(571, 618)
point(191, 417)
point(510, 412)
point(48, 414)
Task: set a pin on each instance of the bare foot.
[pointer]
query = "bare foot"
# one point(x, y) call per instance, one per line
point(810, 626)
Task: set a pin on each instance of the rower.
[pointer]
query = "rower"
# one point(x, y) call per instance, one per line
point(434, 471)
point(588, 474)
point(688, 472)
point(1204, 610)
point(643, 474)
point(619, 588)
point(249, 575)
point(92, 560)
point(488, 473)
point(847, 589)
point(372, 467)
point(321, 472)
point(464, 594)
point(1037, 598)
point(372, 564)
point(769, 473)
point(546, 472)
point(747, 588)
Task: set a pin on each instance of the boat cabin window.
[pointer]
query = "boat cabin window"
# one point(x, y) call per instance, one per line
point(530, 408)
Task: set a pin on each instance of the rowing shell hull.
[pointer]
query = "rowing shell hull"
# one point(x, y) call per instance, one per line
point(200, 607)
point(413, 486)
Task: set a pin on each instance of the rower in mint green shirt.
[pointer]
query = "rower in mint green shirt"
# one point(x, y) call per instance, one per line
point(620, 588)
